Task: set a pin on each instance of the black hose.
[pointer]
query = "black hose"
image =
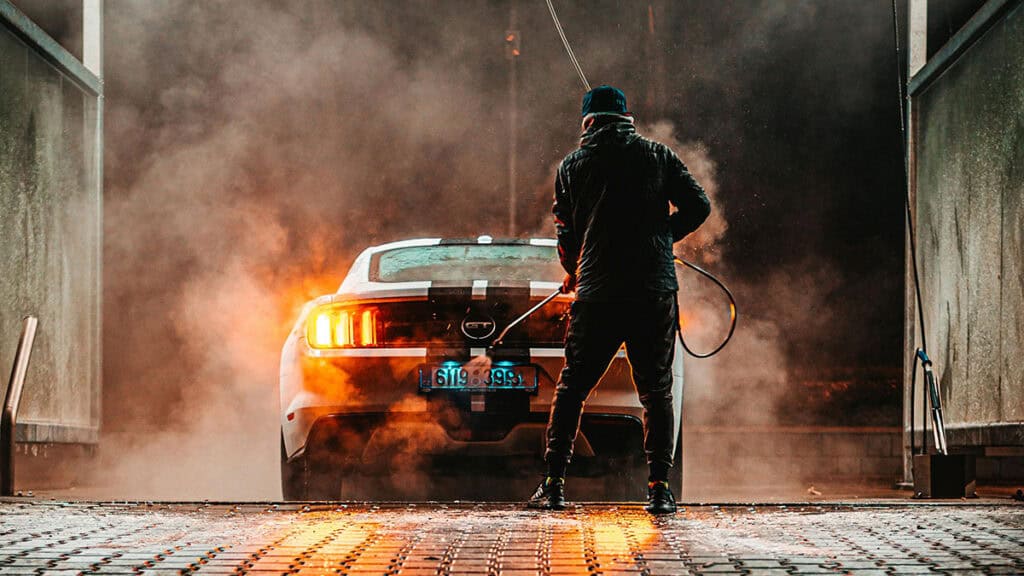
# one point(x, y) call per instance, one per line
point(732, 312)
point(911, 230)
point(912, 240)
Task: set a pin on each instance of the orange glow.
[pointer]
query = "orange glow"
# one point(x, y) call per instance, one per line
point(343, 330)
point(332, 326)
point(619, 535)
point(322, 330)
point(368, 329)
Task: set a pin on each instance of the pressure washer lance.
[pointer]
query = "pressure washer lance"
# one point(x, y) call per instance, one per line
point(518, 321)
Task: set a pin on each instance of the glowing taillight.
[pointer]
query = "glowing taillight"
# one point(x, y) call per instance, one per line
point(334, 327)
point(322, 330)
point(343, 330)
point(368, 328)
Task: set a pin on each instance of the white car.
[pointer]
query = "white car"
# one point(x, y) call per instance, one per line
point(393, 368)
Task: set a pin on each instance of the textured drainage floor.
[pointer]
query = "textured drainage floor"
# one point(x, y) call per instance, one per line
point(110, 538)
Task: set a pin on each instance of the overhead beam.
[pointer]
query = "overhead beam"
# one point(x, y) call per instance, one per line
point(48, 48)
point(986, 17)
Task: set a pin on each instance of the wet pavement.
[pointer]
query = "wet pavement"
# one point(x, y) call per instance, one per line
point(49, 537)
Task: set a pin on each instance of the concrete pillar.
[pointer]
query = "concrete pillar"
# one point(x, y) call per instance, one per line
point(92, 59)
point(92, 36)
point(917, 34)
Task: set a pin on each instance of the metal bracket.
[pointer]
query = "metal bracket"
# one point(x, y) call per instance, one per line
point(12, 401)
point(931, 393)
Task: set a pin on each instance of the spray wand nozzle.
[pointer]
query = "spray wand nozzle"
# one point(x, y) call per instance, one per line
point(932, 393)
point(519, 320)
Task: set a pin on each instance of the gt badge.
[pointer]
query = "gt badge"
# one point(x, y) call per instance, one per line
point(478, 326)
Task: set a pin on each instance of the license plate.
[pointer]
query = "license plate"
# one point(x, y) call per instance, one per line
point(452, 376)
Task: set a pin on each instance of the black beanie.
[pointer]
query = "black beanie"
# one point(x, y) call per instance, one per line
point(604, 100)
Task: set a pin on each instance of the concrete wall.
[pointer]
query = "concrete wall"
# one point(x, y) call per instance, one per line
point(720, 456)
point(968, 181)
point(50, 232)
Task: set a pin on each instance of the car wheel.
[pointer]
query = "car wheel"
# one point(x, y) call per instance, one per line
point(302, 479)
point(292, 476)
point(322, 481)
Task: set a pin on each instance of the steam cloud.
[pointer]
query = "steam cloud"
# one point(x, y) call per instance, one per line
point(254, 147)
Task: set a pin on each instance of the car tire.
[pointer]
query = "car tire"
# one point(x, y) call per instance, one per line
point(292, 476)
point(323, 482)
point(304, 480)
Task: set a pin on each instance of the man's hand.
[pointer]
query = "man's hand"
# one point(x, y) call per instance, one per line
point(569, 284)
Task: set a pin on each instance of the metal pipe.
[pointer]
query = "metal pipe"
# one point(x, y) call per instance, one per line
point(913, 384)
point(932, 394)
point(512, 53)
point(924, 406)
point(525, 315)
point(12, 401)
point(938, 424)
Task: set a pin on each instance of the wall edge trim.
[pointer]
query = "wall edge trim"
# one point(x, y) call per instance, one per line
point(990, 14)
point(47, 433)
point(30, 33)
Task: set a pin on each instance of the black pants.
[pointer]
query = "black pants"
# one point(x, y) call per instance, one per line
point(596, 331)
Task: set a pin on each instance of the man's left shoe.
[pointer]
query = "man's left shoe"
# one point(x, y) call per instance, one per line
point(660, 499)
point(550, 495)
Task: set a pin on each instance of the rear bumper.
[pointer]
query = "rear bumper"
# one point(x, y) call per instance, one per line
point(443, 442)
point(386, 381)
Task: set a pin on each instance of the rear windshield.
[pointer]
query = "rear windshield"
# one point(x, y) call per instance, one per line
point(467, 262)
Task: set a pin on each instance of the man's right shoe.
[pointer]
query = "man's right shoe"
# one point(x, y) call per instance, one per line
point(660, 499)
point(550, 495)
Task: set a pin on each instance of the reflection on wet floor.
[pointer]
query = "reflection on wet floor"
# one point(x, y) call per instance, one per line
point(41, 537)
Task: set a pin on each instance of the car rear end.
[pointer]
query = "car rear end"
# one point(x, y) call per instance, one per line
point(393, 372)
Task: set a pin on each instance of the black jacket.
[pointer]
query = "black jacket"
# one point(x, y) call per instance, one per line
point(612, 217)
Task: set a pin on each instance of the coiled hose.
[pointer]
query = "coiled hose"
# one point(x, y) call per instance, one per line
point(732, 311)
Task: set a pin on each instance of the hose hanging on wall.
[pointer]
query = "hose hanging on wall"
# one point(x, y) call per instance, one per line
point(733, 314)
point(921, 354)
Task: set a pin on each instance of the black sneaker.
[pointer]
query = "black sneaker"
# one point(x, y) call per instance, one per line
point(550, 495)
point(660, 499)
